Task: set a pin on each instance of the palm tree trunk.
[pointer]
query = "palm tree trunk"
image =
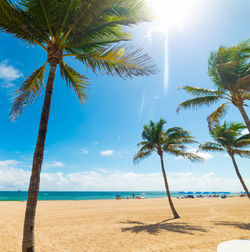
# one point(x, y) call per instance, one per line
point(29, 222)
point(176, 215)
point(239, 176)
point(244, 115)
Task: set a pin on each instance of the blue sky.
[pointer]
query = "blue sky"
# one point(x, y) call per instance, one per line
point(90, 147)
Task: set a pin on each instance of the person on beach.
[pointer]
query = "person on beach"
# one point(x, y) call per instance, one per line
point(133, 195)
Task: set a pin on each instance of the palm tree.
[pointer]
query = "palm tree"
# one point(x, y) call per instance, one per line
point(229, 69)
point(228, 138)
point(171, 141)
point(89, 31)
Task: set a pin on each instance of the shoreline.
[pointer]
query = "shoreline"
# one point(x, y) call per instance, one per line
point(108, 195)
point(173, 197)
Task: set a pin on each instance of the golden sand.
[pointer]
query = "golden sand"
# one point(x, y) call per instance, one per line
point(127, 225)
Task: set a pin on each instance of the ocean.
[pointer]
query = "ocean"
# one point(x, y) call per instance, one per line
point(95, 195)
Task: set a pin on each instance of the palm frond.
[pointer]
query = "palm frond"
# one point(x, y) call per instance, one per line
point(215, 117)
point(242, 153)
point(235, 127)
point(198, 102)
point(228, 64)
point(44, 12)
point(136, 9)
point(75, 80)
point(243, 142)
point(28, 92)
point(186, 155)
point(183, 140)
point(172, 130)
point(143, 143)
point(141, 155)
point(90, 43)
point(104, 17)
point(246, 95)
point(120, 61)
point(211, 146)
point(201, 91)
point(20, 23)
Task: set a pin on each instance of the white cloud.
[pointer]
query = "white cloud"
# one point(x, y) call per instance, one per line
point(156, 97)
point(107, 153)
point(53, 164)
point(8, 72)
point(7, 163)
point(13, 178)
point(244, 132)
point(84, 151)
point(204, 155)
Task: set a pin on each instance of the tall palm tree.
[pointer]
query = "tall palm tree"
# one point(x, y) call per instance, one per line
point(228, 138)
point(90, 31)
point(229, 69)
point(171, 141)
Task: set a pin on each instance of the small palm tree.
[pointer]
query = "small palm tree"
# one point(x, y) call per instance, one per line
point(90, 31)
point(171, 141)
point(228, 138)
point(229, 70)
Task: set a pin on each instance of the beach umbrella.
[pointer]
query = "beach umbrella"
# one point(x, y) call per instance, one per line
point(189, 192)
point(181, 192)
point(206, 192)
point(198, 192)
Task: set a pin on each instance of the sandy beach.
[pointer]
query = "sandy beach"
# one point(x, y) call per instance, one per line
point(128, 225)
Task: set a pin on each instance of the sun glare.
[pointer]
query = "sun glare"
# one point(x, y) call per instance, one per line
point(170, 12)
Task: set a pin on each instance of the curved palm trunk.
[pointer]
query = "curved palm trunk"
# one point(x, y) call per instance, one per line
point(239, 176)
point(244, 115)
point(176, 215)
point(29, 222)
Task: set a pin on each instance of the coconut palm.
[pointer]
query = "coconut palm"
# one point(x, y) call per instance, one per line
point(229, 69)
point(89, 31)
point(228, 138)
point(171, 141)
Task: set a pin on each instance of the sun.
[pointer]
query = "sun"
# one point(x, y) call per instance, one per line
point(166, 14)
point(170, 12)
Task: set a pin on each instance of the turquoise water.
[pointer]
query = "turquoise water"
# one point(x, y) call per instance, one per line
point(21, 195)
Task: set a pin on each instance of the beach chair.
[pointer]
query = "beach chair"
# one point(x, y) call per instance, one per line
point(234, 245)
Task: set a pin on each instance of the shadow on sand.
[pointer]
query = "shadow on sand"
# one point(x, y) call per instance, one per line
point(245, 226)
point(155, 228)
